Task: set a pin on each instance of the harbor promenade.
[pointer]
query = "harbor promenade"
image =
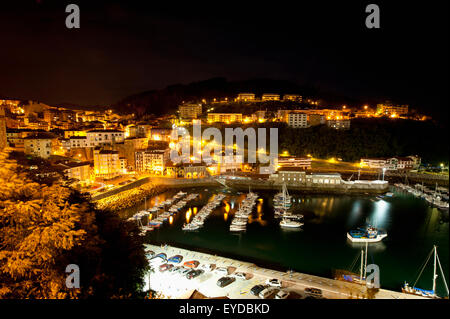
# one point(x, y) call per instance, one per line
point(173, 285)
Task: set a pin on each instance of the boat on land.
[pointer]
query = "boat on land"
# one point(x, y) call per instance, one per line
point(423, 292)
point(368, 234)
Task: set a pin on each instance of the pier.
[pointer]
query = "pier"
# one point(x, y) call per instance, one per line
point(176, 286)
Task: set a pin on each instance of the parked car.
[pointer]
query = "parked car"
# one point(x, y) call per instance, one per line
point(157, 260)
point(221, 271)
point(185, 271)
point(175, 259)
point(257, 289)
point(207, 267)
point(191, 264)
point(240, 275)
point(267, 292)
point(175, 269)
point(149, 254)
point(282, 294)
point(313, 292)
point(274, 282)
point(194, 273)
point(165, 267)
point(225, 281)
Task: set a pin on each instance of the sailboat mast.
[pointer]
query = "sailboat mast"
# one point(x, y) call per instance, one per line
point(362, 261)
point(434, 271)
point(365, 262)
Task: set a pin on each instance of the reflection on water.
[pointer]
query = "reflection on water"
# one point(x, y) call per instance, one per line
point(380, 214)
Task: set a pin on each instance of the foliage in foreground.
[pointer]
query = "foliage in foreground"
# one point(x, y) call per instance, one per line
point(44, 228)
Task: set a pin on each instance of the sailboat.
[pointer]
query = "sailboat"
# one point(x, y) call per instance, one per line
point(422, 292)
point(349, 275)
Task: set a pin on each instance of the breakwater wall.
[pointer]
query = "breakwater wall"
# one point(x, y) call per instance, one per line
point(344, 188)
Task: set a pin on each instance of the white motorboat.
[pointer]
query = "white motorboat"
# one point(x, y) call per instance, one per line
point(290, 223)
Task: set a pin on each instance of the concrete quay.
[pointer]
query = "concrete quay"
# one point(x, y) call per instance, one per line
point(173, 285)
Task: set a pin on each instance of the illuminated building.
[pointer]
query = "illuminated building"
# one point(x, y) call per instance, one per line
point(298, 176)
point(292, 97)
point(104, 137)
point(2, 128)
point(78, 141)
point(224, 117)
point(190, 111)
point(40, 145)
point(270, 97)
point(392, 110)
point(246, 97)
point(292, 161)
point(80, 171)
point(297, 120)
point(339, 124)
point(70, 133)
point(106, 163)
point(195, 171)
point(160, 134)
point(392, 163)
point(316, 119)
point(152, 161)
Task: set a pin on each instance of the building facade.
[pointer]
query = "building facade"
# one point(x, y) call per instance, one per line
point(297, 120)
point(224, 117)
point(104, 137)
point(40, 145)
point(190, 111)
point(106, 163)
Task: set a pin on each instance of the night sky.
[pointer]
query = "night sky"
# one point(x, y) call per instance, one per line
point(133, 46)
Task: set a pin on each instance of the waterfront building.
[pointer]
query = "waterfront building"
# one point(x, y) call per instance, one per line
point(190, 111)
point(224, 117)
point(270, 97)
point(298, 176)
point(392, 163)
point(106, 163)
point(152, 161)
point(292, 161)
point(104, 137)
point(339, 124)
point(79, 171)
point(195, 171)
point(246, 97)
point(40, 145)
point(292, 97)
point(297, 119)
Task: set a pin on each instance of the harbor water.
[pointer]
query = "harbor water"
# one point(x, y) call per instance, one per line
point(321, 245)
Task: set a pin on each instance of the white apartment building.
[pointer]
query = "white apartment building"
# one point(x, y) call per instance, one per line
point(104, 137)
point(297, 120)
point(40, 145)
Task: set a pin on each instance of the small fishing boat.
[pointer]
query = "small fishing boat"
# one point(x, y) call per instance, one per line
point(366, 234)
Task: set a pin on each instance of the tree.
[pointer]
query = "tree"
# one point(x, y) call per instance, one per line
point(43, 228)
